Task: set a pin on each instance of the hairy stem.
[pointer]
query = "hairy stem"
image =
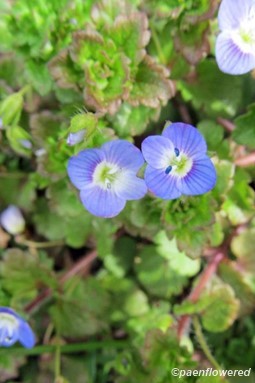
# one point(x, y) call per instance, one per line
point(202, 341)
point(205, 277)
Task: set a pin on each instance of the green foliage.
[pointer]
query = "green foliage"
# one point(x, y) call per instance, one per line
point(120, 69)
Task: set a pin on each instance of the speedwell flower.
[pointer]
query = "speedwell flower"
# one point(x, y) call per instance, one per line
point(106, 177)
point(13, 328)
point(177, 162)
point(235, 45)
point(12, 220)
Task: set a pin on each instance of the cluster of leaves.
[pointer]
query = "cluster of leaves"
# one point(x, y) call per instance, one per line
point(119, 69)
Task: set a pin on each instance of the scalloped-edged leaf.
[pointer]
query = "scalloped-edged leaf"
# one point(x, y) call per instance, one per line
point(221, 310)
point(243, 290)
point(151, 85)
point(130, 34)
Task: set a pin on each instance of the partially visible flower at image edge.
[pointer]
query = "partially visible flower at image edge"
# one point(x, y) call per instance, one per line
point(13, 328)
point(177, 162)
point(106, 177)
point(12, 220)
point(235, 45)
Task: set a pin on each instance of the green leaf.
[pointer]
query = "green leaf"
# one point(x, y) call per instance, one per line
point(221, 309)
point(239, 284)
point(244, 133)
point(157, 274)
point(212, 91)
point(82, 310)
point(23, 274)
point(151, 85)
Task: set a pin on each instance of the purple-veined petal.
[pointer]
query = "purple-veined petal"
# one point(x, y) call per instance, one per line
point(129, 187)
point(26, 335)
point(161, 184)
point(230, 58)
point(200, 179)
point(158, 151)
point(124, 154)
point(233, 12)
point(101, 202)
point(187, 139)
point(80, 168)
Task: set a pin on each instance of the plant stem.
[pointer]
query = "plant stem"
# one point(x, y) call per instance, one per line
point(38, 245)
point(68, 348)
point(245, 161)
point(203, 343)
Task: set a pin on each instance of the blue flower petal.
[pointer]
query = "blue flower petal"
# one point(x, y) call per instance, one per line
point(200, 179)
point(124, 154)
point(101, 202)
point(230, 58)
point(187, 139)
point(158, 151)
point(26, 335)
point(232, 12)
point(80, 168)
point(161, 184)
point(129, 187)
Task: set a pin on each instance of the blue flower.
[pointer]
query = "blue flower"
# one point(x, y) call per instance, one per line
point(235, 45)
point(13, 329)
point(12, 220)
point(106, 177)
point(75, 138)
point(177, 163)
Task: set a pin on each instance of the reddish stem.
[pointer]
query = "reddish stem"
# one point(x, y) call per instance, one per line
point(226, 124)
point(78, 268)
point(245, 161)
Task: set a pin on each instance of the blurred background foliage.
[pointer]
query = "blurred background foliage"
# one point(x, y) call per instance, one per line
point(113, 300)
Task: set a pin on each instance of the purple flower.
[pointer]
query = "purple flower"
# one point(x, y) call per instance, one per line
point(13, 328)
point(75, 138)
point(106, 177)
point(12, 220)
point(177, 162)
point(235, 45)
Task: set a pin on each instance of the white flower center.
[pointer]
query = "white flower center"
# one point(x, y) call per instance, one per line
point(8, 325)
point(244, 36)
point(180, 165)
point(106, 174)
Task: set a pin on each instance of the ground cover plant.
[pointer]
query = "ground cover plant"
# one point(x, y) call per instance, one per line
point(127, 133)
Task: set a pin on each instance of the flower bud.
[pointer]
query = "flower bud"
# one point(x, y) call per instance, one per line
point(12, 220)
point(75, 138)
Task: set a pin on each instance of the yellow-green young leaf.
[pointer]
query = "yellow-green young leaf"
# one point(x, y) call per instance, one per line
point(20, 140)
point(10, 109)
point(222, 309)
